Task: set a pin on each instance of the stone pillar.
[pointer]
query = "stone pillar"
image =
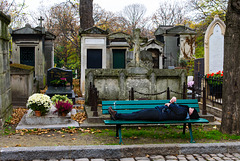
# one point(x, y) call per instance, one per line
point(137, 47)
point(122, 86)
point(5, 86)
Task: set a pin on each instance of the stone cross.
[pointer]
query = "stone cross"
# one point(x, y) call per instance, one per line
point(41, 20)
point(137, 47)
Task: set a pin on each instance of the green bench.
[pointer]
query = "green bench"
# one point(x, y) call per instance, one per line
point(132, 106)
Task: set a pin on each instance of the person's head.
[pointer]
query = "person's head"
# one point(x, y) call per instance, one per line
point(193, 113)
point(173, 100)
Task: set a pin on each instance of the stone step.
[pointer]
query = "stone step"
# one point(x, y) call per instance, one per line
point(216, 111)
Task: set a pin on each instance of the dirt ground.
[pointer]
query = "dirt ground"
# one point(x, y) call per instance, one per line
point(9, 137)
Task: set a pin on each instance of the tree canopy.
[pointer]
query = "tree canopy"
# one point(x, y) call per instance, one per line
point(63, 20)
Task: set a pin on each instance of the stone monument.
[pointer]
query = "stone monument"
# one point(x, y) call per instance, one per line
point(214, 46)
point(115, 84)
point(5, 86)
point(34, 47)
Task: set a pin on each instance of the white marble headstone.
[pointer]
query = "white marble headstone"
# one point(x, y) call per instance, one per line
point(216, 50)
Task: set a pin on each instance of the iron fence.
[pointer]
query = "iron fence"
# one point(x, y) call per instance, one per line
point(213, 88)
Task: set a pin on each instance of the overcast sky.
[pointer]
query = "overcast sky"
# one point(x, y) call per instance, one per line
point(109, 5)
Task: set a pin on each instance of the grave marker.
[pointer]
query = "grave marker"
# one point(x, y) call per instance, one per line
point(214, 46)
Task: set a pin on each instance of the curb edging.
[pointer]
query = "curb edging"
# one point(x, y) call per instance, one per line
point(114, 151)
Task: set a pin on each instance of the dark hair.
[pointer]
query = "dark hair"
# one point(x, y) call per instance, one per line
point(194, 115)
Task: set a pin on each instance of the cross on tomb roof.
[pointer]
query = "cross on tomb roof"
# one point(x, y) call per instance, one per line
point(41, 20)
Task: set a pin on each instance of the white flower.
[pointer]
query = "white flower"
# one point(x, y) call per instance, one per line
point(40, 99)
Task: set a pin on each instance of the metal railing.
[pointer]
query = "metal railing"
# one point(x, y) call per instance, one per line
point(213, 88)
point(183, 94)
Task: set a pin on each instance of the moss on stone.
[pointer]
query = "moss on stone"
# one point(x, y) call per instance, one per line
point(22, 66)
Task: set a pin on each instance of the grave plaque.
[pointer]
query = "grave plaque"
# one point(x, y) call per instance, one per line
point(198, 69)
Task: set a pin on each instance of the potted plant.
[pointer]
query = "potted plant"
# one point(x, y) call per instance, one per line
point(63, 108)
point(214, 82)
point(40, 103)
point(58, 97)
point(59, 82)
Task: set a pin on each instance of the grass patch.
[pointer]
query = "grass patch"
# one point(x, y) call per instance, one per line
point(170, 134)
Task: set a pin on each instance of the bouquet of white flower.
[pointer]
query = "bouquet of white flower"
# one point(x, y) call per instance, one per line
point(39, 102)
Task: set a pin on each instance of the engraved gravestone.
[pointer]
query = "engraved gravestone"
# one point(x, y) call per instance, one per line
point(214, 46)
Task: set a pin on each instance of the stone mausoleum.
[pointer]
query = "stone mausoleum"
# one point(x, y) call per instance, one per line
point(179, 42)
point(107, 63)
point(34, 47)
point(5, 86)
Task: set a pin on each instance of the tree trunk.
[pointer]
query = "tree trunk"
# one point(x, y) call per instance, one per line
point(231, 84)
point(86, 14)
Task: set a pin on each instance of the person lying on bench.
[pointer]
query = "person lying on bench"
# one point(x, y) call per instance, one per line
point(170, 111)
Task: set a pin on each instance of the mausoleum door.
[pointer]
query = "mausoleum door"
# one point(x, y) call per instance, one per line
point(155, 56)
point(94, 58)
point(27, 56)
point(118, 58)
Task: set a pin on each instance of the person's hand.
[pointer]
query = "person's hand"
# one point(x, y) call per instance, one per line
point(174, 99)
point(167, 104)
point(191, 110)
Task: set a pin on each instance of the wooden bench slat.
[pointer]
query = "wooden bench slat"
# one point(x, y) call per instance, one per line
point(190, 101)
point(142, 106)
point(125, 111)
point(112, 122)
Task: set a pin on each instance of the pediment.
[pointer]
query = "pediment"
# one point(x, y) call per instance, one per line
point(26, 30)
point(118, 35)
point(94, 30)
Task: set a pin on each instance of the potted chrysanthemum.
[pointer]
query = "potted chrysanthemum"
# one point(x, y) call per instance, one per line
point(63, 107)
point(40, 103)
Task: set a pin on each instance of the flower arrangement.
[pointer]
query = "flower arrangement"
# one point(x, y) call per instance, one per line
point(190, 84)
point(59, 82)
point(63, 107)
point(39, 102)
point(214, 78)
point(56, 98)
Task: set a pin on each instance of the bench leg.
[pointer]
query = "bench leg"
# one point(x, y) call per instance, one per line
point(190, 130)
point(184, 128)
point(117, 127)
point(120, 134)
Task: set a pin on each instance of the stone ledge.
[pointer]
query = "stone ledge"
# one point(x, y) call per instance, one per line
point(115, 151)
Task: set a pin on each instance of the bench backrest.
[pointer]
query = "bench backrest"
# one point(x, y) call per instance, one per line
point(57, 73)
point(132, 106)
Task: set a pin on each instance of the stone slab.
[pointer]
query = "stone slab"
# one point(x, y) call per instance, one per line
point(50, 118)
point(23, 125)
point(118, 151)
point(50, 121)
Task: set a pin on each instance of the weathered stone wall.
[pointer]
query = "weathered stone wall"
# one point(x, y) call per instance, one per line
point(22, 85)
point(115, 84)
point(5, 88)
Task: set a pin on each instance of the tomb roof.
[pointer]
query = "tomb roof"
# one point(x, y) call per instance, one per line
point(181, 30)
point(28, 30)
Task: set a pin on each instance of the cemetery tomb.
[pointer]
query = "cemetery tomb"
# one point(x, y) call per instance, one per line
point(61, 89)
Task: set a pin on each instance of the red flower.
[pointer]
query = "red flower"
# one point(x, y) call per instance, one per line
point(222, 75)
point(212, 74)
